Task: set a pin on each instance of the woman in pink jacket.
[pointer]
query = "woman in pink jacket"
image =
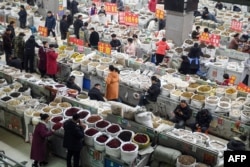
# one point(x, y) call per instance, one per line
point(162, 46)
point(152, 5)
point(130, 47)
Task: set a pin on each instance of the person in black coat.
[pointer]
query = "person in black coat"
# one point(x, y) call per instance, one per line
point(115, 43)
point(185, 65)
point(102, 11)
point(73, 139)
point(64, 27)
point(69, 18)
point(196, 33)
point(181, 114)
point(237, 143)
point(95, 93)
point(219, 5)
point(50, 23)
point(22, 16)
point(152, 93)
point(93, 38)
point(15, 62)
point(194, 57)
point(30, 54)
point(68, 5)
point(11, 26)
point(74, 8)
point(71, 83)
point(7, 45)
point(77, 25)
point(202, 121)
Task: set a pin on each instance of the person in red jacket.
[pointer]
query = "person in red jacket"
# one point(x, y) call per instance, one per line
point(51, 62)
point(162, 46)
point(152, 5)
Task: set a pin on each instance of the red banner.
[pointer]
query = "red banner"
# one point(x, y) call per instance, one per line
point(121, 17)
point(110, 7)
point(236, 25)
point(104, 48)
point(204, 37)
point(76, 41)
point(97, 2)
point(43, 31)
point(159, 13)
point(215, 40)
point(242, 87)
point(131, 19)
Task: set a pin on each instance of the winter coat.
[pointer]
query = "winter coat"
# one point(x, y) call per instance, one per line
point(19, 46)
point(186, 113)
point(246, 71)
point(15, 62)
point(153, 92)
point(112, 86)
point(130, 49)
point(13, 34)
point(195, 52)
point(162, 47)
point(102, 12)
point(115, 43)
point(30, 46)
point(38, 148)
point(42, 65)
point(73, 136)
point(74, 8)
point(194, 35)
point(202, 120)
point(94, 38)
point(7, 43)
point(51, 62)
point(236, 145)
point(70, 20)
point(152, 5)
point(73, 85)
point(185, 66)
point(93, 11)
point(50, 22)
point(64, 26)
point(95, 94)
point(77, 25)
point(22, 16)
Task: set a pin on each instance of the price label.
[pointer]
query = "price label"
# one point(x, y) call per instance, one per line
point(131, 19)
point(104, 48)
point(43, 31)
point(110, 7)
point(121, 17)
point(159, 13)
point(236, 25)
point(204, 37)
point(215, 40)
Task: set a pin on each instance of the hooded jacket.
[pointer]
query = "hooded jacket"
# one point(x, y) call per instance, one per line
point(162, 47)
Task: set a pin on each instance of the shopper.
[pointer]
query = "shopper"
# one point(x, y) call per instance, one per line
point(93, 38)
point(194, 58)
point(136, 41)
point(29, 56)
point(95, 93)
point(246, 72)
point(206, 15)
point(162, 46)
point(50, 23)
point(152, 24)
point(69, 5)
point(64, 27)
point(120, 5)
point(11, 26)
point(234, 43)
point(112, 84)
point(51, 62)
point(85, 34)
point(115, 43)
point(219, 5)
point(152, 93)
point(73, 139)
point(162, 23)
point(22, 16)
point(19, 47)
point(93, 10)
point(225, 80)
point(196, 33)
point(77, 25)
point(130, 47)
point(237, 143)
point(74, 7)
point(185, 65)
point(69, 18)
point(181, 114)
point(42, 65)
point(152, 5)
point(72, 85)
point(39, 142)
point(15, 62)
point(7, 45)
point(202, 121)
point(102, 11)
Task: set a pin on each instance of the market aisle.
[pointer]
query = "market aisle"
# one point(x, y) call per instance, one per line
point(15, 147)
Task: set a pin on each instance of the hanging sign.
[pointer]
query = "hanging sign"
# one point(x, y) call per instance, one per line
point(236, 25)
point(104, 48)
point(43, 31)
point(121, 17)
point(131, 19)
point(215, 40)
point(159, 14)
point(110, 8)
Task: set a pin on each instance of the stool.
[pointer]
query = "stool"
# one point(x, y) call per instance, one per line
point(152, 106)
point(199, 130)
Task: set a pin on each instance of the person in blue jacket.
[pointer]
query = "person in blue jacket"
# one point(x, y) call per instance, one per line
point(22, 16)
point(50, 23)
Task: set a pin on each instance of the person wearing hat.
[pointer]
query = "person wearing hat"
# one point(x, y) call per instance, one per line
point(71, 83)
point(39, 141)
point(51, 62)
point(115, 43)
point(22, 16)
point(19, 45)
point(237, 143)
point(93, 38)
point(29, 55)
point(202, 121)
point(50, 23)
point(73, 139)
point(7, 45)
point(181, 113)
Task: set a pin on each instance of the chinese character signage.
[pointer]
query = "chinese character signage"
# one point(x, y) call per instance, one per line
point(121, 17)
point(215, 40)
point(236, 25)
point(131, 19)
point(76, 41)
point(110, 8)
point(204, 37)
point(159, 13)
point(104, 48)
point(43, 31)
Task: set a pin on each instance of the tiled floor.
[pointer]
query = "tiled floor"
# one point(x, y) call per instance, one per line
point(15, 147)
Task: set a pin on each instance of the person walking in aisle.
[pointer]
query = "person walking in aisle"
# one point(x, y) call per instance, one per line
point(29, 56)
point(74, 7)
point(112, 84)
point(22, 17)
point(94, 38)
point(69, 18)
point(51, 62)
point(39, 142)
point(64, 27)
point(19, 46)
point(7, 45)
point(11, 26)
point(77, 25)
point(130, 47)
point(42, 65)
point(50, 23)
point(73, 139)
point(162, 46)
